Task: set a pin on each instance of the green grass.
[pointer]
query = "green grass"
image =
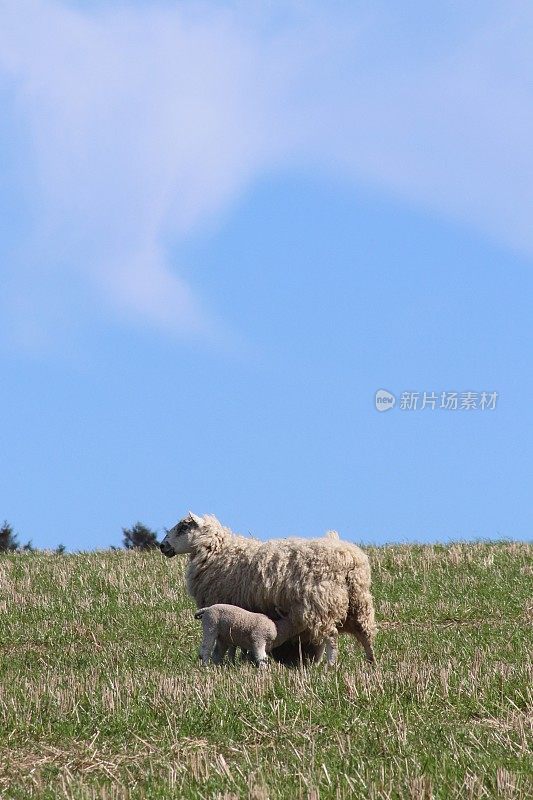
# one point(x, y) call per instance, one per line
point(101, 695)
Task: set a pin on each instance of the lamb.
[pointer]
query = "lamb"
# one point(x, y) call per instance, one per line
point(322, 584)
point(228, 627)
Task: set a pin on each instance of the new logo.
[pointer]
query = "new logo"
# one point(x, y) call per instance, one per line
point(384, 400)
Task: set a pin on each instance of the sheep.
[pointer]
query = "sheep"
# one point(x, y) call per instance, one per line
point(322, 584)
point(228, 627)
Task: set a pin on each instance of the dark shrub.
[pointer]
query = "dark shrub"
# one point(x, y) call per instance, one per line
point(139, 537)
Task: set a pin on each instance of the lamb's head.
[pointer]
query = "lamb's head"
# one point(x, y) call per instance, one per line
point(179, 539)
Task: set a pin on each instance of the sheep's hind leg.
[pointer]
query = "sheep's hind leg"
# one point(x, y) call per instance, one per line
point(364, 639)
point(361, 633)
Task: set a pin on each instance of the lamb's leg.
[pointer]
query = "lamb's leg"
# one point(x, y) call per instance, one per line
point(219, 652)
point(232, 652)
point(246, 655)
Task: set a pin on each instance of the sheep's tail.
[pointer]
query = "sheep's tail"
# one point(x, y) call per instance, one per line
point(331, 535)
point(199, 614)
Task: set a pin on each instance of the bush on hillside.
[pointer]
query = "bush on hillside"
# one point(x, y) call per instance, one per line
point(139, 537)
point(8, 538)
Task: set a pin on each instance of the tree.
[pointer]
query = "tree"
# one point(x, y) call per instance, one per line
point(8, 538)
point(139, 537)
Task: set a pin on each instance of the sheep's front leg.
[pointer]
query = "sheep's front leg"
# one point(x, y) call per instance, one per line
point(332, 649)
point(320, 652)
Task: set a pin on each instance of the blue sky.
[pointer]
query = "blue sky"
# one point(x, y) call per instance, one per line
point(224, 226)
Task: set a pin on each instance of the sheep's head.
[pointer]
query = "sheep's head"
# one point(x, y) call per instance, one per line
point(179, 538)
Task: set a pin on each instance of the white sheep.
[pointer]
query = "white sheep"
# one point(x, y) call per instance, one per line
point(226, 627)
point(323, 585)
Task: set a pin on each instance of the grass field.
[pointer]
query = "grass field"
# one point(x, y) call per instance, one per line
point(101, 695)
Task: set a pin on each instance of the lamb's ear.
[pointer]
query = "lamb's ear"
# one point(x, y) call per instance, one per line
point(193, 518)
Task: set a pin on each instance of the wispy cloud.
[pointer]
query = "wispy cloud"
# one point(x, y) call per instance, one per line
point(146, 123)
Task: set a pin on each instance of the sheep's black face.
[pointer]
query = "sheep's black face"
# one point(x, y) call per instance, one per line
point(167, 549)
point(179, 538)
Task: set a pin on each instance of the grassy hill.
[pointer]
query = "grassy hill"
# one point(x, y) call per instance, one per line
point(101, 695)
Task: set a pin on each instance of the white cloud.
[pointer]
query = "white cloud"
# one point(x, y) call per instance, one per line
point(147, 122)
point(452, 133)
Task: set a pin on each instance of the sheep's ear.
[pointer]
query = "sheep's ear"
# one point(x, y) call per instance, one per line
point(193, 518)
